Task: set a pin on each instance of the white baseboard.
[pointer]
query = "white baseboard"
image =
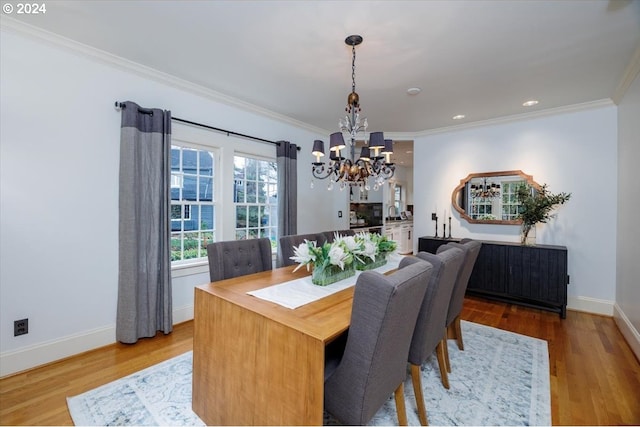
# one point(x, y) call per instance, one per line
point(29, 357)
point(591, 305)
point(629, 332)
point(47, 352)
point(182, 314)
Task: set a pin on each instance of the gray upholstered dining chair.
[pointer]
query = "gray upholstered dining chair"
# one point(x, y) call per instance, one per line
point(374, 362)
point(285, 249)
point(430, 331)
point(471, 249)
point(235, 258)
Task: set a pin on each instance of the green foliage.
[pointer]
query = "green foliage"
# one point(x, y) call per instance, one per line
point(383, 244)
point(535, 205)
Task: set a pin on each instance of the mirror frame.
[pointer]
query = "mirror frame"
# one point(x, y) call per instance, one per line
point(463, 182)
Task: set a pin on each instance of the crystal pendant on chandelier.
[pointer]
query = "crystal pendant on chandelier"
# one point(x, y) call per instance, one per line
point(374, 163)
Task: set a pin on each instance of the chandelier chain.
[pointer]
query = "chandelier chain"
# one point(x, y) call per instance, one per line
point(353, 68)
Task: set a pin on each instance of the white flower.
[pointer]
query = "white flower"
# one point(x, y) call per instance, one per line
point(351, 243)
point(337, 256)
point(303, 254)
point(370, 250)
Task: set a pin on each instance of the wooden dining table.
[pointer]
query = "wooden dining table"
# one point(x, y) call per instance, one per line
point(256, 362)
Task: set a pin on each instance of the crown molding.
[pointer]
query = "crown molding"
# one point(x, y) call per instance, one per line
point(630, 73)
point(104, 57)
point(56, 40)
point(520, 117)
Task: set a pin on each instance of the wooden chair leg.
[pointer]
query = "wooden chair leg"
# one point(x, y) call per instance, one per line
point(442, 363)
point(445, 349)
point(416, 378)
point(458, 329)
point(400, 408)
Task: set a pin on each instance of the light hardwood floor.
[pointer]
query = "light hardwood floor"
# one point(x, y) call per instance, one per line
point(595, 378)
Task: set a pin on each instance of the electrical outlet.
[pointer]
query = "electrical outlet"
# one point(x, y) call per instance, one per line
point(20, 327)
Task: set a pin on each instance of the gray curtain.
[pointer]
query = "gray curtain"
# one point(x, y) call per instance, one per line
point(144, 277)
point(287, 188)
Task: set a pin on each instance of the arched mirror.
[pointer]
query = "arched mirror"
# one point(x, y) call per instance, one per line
point(490, 197)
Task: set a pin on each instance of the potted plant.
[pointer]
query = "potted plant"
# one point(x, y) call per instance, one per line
point(535, 205)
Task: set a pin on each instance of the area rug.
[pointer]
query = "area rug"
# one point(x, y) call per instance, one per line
point(501, 378)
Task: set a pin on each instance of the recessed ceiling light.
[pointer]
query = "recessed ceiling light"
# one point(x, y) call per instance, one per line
point(414, 90)
point(530, 103)
point(459, 117)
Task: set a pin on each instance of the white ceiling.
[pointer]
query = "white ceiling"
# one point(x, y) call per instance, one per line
point(479, 58)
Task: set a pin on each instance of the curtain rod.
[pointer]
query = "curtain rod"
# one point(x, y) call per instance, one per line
point(120, 105)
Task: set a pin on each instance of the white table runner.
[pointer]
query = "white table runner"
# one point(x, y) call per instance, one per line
point(298, 292)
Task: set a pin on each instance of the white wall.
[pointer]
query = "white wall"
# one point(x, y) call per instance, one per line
point(628, 248)
point(59, 192)
point(571, 152)
point(59, 143)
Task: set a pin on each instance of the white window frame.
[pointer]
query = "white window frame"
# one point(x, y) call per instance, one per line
point(260, 205)
point(177, 181)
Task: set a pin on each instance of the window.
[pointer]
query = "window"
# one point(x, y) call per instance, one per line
point(509, 200)
point(397, 198)
point(192, 202)
point(255, 197)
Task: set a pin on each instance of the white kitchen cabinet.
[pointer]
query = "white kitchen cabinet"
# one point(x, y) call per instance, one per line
point(402, 234)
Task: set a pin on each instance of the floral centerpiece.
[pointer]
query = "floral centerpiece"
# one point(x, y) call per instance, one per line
point(331, 261)
point(372, 250)
point(337, 260)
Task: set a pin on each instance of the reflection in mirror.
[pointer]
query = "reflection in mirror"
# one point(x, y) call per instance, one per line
point(490, 197)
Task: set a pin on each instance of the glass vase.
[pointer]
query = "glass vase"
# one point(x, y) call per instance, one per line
point(369, 264)
point(528, 235)
point(323, 276)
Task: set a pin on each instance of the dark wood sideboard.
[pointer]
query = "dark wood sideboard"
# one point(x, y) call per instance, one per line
point(534, 276)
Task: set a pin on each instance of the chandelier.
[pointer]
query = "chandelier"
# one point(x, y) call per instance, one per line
point(374, 164)
point(485, 190)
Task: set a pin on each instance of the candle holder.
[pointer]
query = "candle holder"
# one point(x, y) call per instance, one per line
point(435, 218)
point(444, 231)
point(449, 227)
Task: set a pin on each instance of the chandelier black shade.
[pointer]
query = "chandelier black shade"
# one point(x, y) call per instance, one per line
point(484, 190)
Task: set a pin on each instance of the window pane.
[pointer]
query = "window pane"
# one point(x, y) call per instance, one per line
point(206, 189)
point(176, 246)
point(191, 244)
point(241, 234)
point(251, 191)
point(239, 191)
point(253, 216)
point(251, 169)
point(189, 160)
point(272, 190)
point(238, 167)
point(176, 212)
point(262, 193)
point(241, 216)
point(189, 187)
point(206, 163)
point(175, 158)
point(206, 217)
